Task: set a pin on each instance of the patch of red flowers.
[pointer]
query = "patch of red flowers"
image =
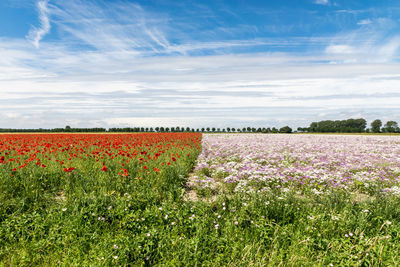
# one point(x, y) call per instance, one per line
point(139, 153)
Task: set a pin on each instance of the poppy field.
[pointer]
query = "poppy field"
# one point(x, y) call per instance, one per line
point(181, 199)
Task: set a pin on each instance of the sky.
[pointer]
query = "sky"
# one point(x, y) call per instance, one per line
point(208, 63)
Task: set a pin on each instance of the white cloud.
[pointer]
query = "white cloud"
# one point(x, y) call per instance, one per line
point(340, 49)
point(364, 22)
point(322, 2)
point(35, 35)
point(122, 81)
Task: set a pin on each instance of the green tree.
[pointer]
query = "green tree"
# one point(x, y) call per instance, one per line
point(391, 127)
point(376, 126)
point(285, 129)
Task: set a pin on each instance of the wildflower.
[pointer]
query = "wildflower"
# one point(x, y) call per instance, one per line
point(64, 209)
point(104, 169)
point(216, 226)
point(115, 257)
point(115, 246)
point(148, 234)
point(236, 223)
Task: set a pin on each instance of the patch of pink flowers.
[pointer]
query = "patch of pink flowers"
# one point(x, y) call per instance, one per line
point(312, 163)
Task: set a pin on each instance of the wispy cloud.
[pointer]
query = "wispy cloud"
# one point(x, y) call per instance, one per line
point(35, 35)
point(322, 2)
point(364, 22)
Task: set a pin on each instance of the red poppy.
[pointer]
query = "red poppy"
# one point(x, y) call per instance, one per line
point(104, 169)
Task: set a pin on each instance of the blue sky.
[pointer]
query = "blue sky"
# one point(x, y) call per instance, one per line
point(197, 63)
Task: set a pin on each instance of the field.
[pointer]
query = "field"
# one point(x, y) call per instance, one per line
point(185, 199)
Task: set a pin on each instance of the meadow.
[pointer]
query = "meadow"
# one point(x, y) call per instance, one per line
point(257, 199)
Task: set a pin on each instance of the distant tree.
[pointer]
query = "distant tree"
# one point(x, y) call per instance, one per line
point(67, 128)
point(391, 127)
point(274, 130)
point(218, 130)
point(208, 129)
point(376, 126)
point(162, 129)
point(285, 129)
point(202, 130)
point(228, 129)
point(233, 130)
point(187, 129)
point(213, 129)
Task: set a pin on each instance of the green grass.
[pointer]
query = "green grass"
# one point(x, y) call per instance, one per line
point(108, 227)
point(87, 218)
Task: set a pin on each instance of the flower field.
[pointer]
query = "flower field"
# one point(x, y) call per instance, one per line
point(261, 199)
point(300, 163)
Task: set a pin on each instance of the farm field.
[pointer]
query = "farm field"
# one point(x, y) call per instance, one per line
point(261, 199)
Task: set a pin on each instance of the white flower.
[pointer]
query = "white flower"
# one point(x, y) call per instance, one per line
point(148, 235)
point(115, 246)
point(64, 209)
point(115, 257)
point(335, 218)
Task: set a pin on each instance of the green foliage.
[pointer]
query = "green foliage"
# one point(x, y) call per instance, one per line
point(376, 126)
point(285, 129)
point(339, 126)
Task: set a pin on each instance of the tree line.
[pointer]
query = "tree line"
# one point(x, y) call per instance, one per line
point(325, 126)
point(351, 126)
point(67, 129)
